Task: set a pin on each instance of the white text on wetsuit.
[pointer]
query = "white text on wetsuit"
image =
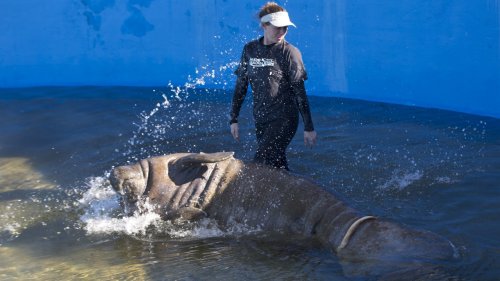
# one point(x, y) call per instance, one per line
point(259, 62)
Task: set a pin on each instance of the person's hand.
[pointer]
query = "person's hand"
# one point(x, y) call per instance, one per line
point(309, 138)
point(235, 131)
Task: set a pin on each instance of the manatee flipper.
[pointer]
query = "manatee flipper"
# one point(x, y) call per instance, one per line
point(193, 166)
point(204, 158)
point(187, 213)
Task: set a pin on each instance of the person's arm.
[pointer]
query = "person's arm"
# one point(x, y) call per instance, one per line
point(298, 75)
point(299, 91)
point(303, 104)
point(240, 91)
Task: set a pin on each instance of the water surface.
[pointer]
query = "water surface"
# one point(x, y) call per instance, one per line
point(428, 169)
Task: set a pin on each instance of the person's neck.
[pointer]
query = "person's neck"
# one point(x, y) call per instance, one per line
point(266, 42)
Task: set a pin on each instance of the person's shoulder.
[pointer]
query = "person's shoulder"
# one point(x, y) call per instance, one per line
point(251, 46)
point(289, 46)
point(254, 43)
point(291, 49)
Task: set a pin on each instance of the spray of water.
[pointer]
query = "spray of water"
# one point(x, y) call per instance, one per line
point(174, 113)
point(102, 213)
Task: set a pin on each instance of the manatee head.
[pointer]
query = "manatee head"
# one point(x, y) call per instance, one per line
point(173, 184)
point(129, 181)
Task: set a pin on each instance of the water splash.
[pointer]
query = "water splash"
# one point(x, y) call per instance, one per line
point(102, 211)
point(102, 214)
point(174, 113)
point(401, 180)
point(134, 225)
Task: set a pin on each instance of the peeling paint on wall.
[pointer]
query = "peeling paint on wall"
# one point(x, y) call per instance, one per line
point(93, 10)
point(136, 24)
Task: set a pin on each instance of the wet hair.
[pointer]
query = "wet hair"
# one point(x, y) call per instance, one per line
point(269, 8)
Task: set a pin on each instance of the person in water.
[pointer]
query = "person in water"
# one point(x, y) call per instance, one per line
point(275, 71)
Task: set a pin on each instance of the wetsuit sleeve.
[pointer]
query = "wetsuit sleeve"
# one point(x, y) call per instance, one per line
point(298, 75)
point(300, 94)
point(240, 90)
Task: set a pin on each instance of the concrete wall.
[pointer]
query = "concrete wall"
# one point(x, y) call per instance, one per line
point(432, 53)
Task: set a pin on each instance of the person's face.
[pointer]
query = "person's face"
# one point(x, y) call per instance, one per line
point(273, 34)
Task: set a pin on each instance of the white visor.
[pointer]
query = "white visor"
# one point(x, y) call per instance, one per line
point(277, 19)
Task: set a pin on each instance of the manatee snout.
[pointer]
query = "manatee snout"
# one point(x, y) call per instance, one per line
point(129, 182)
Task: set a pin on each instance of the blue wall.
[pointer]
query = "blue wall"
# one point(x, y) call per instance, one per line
point(432, 53)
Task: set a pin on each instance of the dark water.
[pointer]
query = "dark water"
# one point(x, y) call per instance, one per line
point(428, 169)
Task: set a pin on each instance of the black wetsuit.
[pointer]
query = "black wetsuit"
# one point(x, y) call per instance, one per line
point(276, 74)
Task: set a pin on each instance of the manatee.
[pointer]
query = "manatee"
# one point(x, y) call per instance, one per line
point(190, 186)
